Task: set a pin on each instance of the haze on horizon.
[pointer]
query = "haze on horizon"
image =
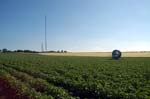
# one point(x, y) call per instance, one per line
point(76, 25)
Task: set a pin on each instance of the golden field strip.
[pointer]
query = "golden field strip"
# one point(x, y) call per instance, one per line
point(99, 54)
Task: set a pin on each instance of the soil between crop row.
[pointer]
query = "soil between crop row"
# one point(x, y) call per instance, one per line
point(7, 92)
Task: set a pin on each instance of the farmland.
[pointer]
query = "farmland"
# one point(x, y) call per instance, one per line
point(100, 54)
point(76, 77)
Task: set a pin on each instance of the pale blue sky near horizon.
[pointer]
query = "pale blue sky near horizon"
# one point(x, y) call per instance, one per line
point(76, 25)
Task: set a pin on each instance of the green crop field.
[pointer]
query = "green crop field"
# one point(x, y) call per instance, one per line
point(76, 77)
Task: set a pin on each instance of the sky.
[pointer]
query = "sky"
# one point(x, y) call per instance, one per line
point(75, 25)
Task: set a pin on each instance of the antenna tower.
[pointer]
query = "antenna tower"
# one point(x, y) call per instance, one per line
point(42, 49)
point(45, 35)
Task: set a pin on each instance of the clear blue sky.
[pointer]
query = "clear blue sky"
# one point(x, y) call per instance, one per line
point(75, 25)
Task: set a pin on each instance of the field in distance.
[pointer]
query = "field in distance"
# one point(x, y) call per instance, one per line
point(100, 54)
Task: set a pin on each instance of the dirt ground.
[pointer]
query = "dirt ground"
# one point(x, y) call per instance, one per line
point(6, 92)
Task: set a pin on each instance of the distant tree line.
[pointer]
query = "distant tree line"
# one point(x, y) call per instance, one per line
point(29, 51)
point(10, 51)
point(59, 51)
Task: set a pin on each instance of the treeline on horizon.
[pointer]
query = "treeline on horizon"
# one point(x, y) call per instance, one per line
point(29, 51)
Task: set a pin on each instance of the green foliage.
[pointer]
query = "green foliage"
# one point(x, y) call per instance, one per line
point(69, 77)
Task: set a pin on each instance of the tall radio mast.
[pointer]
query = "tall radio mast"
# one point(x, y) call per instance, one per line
point(42, 49)
point(45, 35)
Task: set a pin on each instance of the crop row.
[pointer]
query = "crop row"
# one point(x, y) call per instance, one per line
point(23, 89)
point(84, 77)
point(39, 84)
point(90, 90)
